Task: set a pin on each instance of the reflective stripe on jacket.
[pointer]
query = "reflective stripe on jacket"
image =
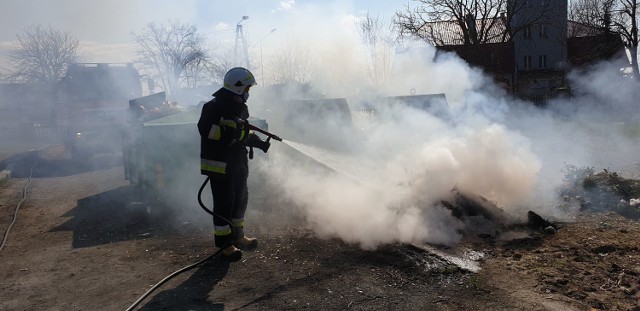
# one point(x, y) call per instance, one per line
point(221, 137)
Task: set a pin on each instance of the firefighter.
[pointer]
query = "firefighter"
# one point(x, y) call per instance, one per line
point(223, 156)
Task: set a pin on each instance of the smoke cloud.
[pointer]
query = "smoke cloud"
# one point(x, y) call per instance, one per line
point(387, 185)
point(379, 178)
point(388, 173)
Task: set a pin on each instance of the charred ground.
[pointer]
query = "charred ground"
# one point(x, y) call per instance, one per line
point(81, 241)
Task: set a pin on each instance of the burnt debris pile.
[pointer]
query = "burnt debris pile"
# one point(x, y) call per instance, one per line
point(604, 191)
point(484, 218)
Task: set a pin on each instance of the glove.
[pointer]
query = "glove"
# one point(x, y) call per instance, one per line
point(254, 141)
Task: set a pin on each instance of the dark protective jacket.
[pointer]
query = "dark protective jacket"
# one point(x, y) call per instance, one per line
point(222, 138)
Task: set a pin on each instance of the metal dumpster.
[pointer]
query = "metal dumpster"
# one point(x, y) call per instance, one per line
point(162, 156)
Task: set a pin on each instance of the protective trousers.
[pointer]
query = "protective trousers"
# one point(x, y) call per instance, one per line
point(230, 199)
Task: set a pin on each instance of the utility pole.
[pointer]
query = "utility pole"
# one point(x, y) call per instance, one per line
point(240, 38)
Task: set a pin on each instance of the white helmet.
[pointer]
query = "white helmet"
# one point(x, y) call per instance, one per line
point(237, 79)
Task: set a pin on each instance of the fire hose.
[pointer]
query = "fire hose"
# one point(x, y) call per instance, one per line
point(24, 197)
point(257, 129)
point(191, 266)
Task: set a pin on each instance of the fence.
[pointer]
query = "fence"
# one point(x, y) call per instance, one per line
point(35, 130)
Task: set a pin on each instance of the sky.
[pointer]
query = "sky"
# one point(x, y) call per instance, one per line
point(104, 27)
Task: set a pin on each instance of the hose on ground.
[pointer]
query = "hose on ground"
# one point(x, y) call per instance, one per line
point(169, 277)
point(189, 267)
point(24, 197)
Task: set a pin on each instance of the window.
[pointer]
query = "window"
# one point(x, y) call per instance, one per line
point(527, 32)
point(544, 33)
point(527, 62)
point(542, 61)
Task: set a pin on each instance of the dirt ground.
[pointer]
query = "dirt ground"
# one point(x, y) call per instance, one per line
point(81, 241)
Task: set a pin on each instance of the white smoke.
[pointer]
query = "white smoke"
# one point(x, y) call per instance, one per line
point(387, 187)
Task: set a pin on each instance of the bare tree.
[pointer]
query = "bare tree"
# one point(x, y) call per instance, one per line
point(617, 16)
point(624, 20)
point(594, 14)
point(221, 62)
point(468, 22)
point(176, 54)
point(210, 70)
point(379, 42)
point(292, 64)
point(42, 54)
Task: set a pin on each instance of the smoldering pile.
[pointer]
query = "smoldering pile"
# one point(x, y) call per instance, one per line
point(486, 219)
